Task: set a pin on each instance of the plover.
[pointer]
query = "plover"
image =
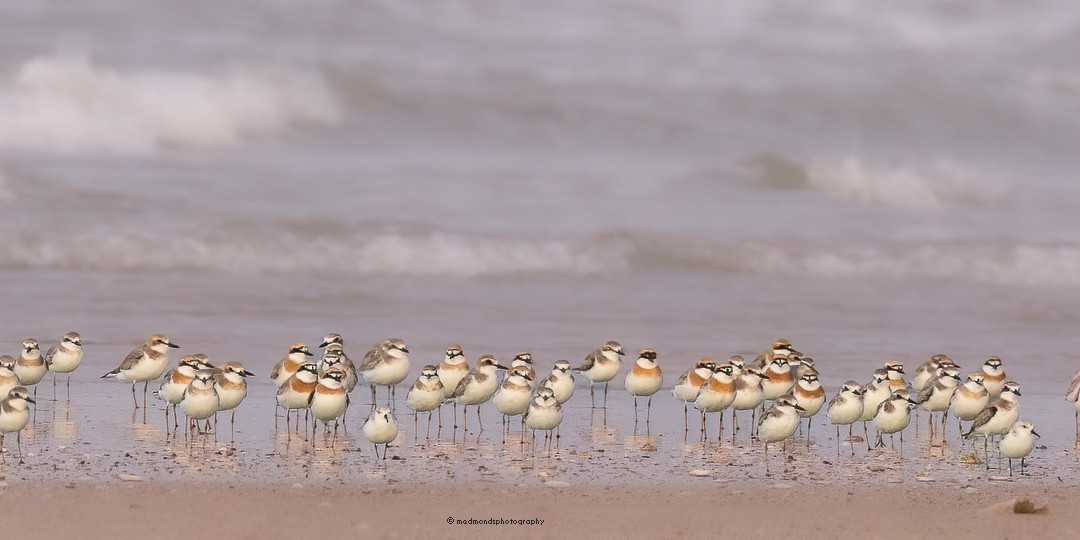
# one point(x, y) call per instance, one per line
point(717, 394)
point(295, 394)
point(426, 395)
point(999, 415)
point(8, 378)
point(778, 378)
point(748, 397)
point(513, 396)
point(386, 364)
point(1071, 394)
point(809, 394)
point(231, 386)
point(334, 355)
point(328, 402)
point(993, 376)
point(969, 400)
point(477, 387)
point(561, 381)
point(738, 364)
point(332, 339)
point(144, 364)
point(600, 366)
point(544, 414)
point(644, 380)
point(1018, 442)
point(896, 375)
point(845, 409)
point(14, 414)
point(780, 348)
point(65, 357)
point(778, 422)
point(893, 415)
point(689, 383)
point(926, 371)
point(175, 382)
point(524, 360)
point(200, 400)
point(30, 367)
point(381, 428)
point(451, 370)
point(937, 394)
point(298, 354)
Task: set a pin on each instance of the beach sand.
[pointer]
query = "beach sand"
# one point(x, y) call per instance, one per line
point(178, 510)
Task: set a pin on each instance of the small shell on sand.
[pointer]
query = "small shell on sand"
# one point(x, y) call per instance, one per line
point(924, 478)
point(125, 477)
point(700, 473)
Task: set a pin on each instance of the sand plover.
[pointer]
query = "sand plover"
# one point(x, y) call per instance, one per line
point(689, 383)
point(65, 357)
point(600, 366)
point(1071, 394)
point(993, 376)
point(298, 354)
point(426, 395)
point(845, 409)
point(969, 400)
point(513, 396)
point(717, 394)
point(896, 375)
point(200, 400)
point(748, 397)
point(175, 382)
point(937, 394)
point(999, 415)
point(231, 386)
point(544, 414)
point(14, 414)
point(8, 378)
point(477, 387)
point(926, 371)
point(893, 415)
point(381, 428)
point(144, 364)
point(334, 357)
point(451, 370)
point(809, 394)
point(1018, 442)
point(561, 381)
point(295, 394)
point(780, 348)
point(332, 339)
point(524, 360)
point(386, 364)
point(328, 402)
point(778, 423)
point(30, 367)
point(644, 380)
point(778, 378)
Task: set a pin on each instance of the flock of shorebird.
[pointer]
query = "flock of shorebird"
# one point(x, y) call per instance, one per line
point(781, 376)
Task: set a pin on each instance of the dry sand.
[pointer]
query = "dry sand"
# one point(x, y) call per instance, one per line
point(163, 510)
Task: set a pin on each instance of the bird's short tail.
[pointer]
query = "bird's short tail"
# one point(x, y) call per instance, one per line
point(970, 433)
point(112, 373)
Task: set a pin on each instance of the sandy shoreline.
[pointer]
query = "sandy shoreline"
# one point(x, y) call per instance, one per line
point(174, 510)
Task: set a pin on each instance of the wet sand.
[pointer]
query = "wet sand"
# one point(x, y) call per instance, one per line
point(709, 510)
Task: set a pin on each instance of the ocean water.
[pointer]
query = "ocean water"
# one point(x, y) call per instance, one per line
point(869, 180)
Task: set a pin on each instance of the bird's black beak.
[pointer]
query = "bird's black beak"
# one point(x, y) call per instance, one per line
point(1017, 391)
point(173, 346)
point(324, 344)
point(500, 366)
point(309, 353)
point(31, 400)
point(798, 407)
point(247, 373)
point(1033, 432)
point(405, 350)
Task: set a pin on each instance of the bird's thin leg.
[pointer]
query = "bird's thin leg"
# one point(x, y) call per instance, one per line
point(648, 411)
point(478, 419)
point(18, 441)
point(635, 411)
point(133, 398)
point(605, 395)
point(592, 394)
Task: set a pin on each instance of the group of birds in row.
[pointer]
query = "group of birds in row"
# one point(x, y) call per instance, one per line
point(781, 375)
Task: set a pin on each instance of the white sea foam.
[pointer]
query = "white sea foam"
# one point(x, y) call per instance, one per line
point(935, 185)
point(71, 104)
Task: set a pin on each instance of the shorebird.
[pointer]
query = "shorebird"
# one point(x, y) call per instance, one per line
point(926, 371)
point(999, 416)
point(513, 396)
point(426, 395)
point(601, 366)
point(386, 364)
point(801, 365)
point(544, 413)
point(328, 402)
point(893, 415)
point(778, 423)
point(14, 414)
point(231, 385)
point(334, 356)
point(781, 348)
point(1072, 394)
point(175, 382)
point(144, 364)
point(937, 394)
point(381, 428)
point(748, 397)
point(993, 376)
point(477, 387)
point(296, 392)
point(644, 380)
point(778, 378)
point(809, 394)
point(200, 400)
point(561, 381)
point(686, 388)
point(845, 409)
point(1018, 442)
point(452, 369)
point(65, 357)
point(896, 375)
point(524, 360)
point(332, 339)
point(8, 378)
point(715, 395)
point(969, 400)
point(298, 354)
point(30, 367)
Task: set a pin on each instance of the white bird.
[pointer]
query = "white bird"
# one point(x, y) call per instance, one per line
point(386, 364)
point(778, 422)
point(999, 415)
point(298, 354)
point(809, 394)
point(689, 383)
point(524, 360)
point(778, 378)
point(644, 380)
point(14, 414)
point(174, 383)
point(381, 428)
point(937, 394)
point(65, 357)
point(426, 395)
point(561, 381)
point(717, 394)
point(8, 378)
point(600, 366)
point(513, 396)
point(969, 400)
point(477, 387)
point(30, 367)
point(1018, 442)
point(144, 364)
point(328, 402)
point(200, 399)
point(295, 394)
point(231, 385)
point(893, 415)
point(875, 393)
point(845, 409)
point(927, 371)
point(544, 413)
point(993, 377)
